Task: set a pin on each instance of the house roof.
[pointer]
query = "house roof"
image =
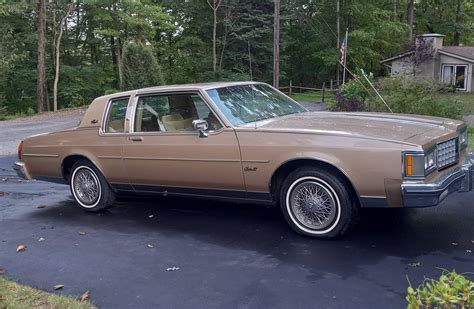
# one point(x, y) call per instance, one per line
point(466, 52)
point(397, 57)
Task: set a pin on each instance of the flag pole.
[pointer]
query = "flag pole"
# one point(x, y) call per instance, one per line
point(345, 57)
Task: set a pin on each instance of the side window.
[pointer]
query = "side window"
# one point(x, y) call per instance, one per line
point(116, 117)
point(171, 113)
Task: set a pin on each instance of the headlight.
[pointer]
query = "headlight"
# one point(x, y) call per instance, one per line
point(417, 165)
point(463, 139)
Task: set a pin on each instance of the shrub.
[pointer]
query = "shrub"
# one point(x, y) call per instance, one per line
point(140, 67)
point(353, 94)
point(409, 95)
point(452, 290)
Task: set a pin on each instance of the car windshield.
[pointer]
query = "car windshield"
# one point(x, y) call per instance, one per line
point(248, 103)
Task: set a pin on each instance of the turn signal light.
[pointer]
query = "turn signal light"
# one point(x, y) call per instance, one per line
point(409, 165)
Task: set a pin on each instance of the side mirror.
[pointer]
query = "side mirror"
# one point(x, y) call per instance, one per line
point(201, 126)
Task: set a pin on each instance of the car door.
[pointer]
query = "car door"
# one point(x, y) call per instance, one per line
point(164, 154)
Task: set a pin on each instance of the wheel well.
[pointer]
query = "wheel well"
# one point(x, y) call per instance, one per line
point(68, 163)
point(284, 170)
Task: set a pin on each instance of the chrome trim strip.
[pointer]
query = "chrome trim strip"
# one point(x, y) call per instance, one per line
point(40, 155)
point(255, 161)
point(109, 157)
point(181, 159)
point(20, 169)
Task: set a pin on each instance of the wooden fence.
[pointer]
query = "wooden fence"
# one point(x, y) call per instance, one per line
point(321, 93)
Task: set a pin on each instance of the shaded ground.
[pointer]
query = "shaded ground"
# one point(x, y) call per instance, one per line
point(229, 255)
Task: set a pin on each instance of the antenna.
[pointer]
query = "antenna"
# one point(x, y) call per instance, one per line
point(250, 60)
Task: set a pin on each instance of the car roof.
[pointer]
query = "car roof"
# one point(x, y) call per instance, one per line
point(94, 114)
point(179, 87)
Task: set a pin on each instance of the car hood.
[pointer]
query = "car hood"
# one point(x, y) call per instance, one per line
point(410, 129)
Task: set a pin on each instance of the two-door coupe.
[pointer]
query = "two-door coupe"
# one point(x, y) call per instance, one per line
point(247, 141)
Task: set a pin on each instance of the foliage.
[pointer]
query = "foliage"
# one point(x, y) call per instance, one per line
point(178, 34)
point(451, 290)
point(408, 95)
point(353, 94)
point(140, 68)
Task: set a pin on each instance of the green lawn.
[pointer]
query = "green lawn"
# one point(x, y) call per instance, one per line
point(313, 96)
point(471, 138)
point(14, 295)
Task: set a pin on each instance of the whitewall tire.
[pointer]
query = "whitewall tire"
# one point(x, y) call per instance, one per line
point(90, 188)
point(317, 203)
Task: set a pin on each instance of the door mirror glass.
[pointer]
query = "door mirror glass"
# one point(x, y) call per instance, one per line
point(201, 126)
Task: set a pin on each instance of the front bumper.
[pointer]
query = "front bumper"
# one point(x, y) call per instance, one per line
point(20, 169)
point(459, 179)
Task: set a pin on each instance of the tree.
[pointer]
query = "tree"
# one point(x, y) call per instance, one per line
point(60, 16)
point(410, 16)
point(276, 45)
point(458, 24)
point(140, 68)
point(41, 29)
point(214, 4)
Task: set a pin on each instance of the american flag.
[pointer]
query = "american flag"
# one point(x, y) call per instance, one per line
point(344, 50)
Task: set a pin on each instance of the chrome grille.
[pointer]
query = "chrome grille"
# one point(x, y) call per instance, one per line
point(448, 153)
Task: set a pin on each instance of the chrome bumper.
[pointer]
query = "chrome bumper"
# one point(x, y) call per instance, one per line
point(20, 169)
point(459, 179)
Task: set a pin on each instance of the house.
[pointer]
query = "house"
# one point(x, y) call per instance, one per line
point(429, 59)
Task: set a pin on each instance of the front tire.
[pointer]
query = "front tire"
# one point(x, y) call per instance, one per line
point(318, 203)
point(89, 187)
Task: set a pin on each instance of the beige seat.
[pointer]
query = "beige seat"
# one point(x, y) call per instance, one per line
point(116, 125)
point(173, 122)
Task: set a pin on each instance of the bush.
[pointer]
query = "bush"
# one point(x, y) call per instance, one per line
point(408, 95)
point(452, 290)
point(353, 95)
point(140, 67)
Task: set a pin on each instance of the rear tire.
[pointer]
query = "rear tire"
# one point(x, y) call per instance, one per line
point(90, 189)
point(317, 203)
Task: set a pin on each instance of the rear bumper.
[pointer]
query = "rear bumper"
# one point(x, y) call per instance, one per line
point(20, 169)
point(459, 179)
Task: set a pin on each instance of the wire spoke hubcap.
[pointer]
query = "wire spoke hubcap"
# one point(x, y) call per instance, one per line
point(86, 186)
point(313, 205)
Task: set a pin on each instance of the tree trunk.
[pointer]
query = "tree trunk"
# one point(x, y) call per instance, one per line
point(118, 51)
point(457, 26)
point(410, 14)
point(394, 10)
point(41, 68)
point(57, 46)
point(214, 33)
point(276, 45)
point(214, 6)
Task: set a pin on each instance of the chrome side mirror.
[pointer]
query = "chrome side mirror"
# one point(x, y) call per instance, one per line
point(201, 126)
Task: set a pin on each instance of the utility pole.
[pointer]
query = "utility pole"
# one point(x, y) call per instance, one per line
point(458, 24)
point(338, 29)
point(276, 45)
point(394, 9)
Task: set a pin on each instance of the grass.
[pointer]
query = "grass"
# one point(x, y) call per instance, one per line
point(14, 295)
point(313, 96)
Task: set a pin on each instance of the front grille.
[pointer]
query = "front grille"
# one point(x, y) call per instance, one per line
point(448, 153)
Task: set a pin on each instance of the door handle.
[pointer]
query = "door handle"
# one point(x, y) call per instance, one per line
point(135, 138)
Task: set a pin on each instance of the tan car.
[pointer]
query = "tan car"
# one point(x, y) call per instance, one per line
point(247, 141)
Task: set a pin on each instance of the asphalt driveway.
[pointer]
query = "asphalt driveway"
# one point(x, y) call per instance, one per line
point(228, 255)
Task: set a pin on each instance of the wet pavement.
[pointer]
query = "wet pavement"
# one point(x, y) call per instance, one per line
point(228, 255)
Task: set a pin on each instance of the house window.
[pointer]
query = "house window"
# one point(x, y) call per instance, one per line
point(454, 74)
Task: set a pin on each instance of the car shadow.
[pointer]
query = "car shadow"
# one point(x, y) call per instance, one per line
point(406, 234)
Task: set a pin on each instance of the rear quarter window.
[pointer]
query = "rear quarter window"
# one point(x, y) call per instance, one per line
point(115, 122)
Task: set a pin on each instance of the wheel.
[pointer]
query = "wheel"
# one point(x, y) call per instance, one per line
point(316, 202)
point(90, 188)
